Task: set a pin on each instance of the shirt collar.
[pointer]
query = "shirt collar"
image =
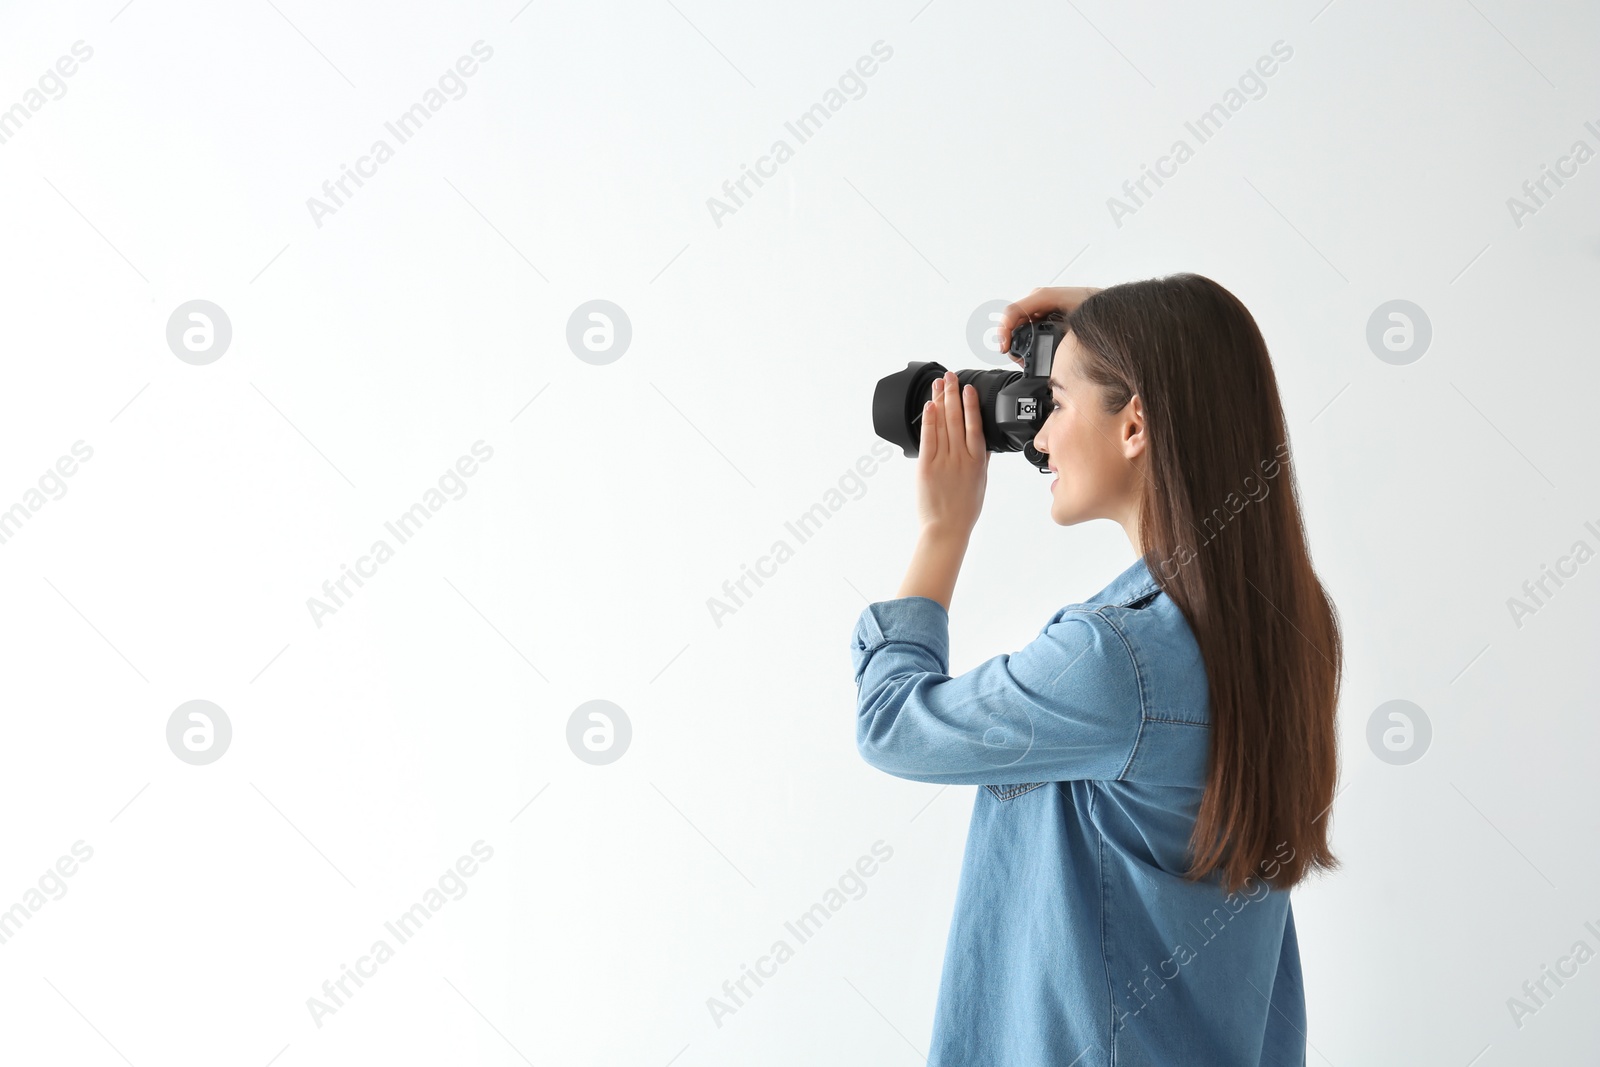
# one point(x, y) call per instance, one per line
point(1131, 585)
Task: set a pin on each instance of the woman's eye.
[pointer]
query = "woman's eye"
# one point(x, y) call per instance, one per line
point(1054, 405)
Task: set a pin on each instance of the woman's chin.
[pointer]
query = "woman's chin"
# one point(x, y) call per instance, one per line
point(1066, 515)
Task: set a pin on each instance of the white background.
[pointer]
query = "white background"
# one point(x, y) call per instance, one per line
point(430, 711)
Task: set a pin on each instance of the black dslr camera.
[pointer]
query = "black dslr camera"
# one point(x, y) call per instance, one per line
point(1014, 403)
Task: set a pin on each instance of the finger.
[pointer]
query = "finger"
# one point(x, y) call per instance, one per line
point(929, 442)
point(1030, 307)
point(955, 432)
point(974, 417)
point(940, 438)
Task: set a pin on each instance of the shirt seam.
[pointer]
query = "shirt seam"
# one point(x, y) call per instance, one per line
point(1138, 677)
point(1016, 791)
point(1143, 593)
point(1105, 962)
point(876, 639)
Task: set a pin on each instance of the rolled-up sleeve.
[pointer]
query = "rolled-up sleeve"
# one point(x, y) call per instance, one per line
point(1065, 707)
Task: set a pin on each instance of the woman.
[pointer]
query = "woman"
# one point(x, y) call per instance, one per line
point(1158, 763)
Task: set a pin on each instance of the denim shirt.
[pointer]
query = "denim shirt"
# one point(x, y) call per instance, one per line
point(1075, 938)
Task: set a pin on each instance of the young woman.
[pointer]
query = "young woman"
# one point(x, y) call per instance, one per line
point(1158, 763)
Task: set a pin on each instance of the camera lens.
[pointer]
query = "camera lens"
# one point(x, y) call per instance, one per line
point(897, 405)
point(1013, 404)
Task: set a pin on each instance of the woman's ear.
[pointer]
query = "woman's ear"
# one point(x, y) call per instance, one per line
point(1131, 428)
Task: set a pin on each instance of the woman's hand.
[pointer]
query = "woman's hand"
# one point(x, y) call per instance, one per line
point(952, 460)
point(1036, 305)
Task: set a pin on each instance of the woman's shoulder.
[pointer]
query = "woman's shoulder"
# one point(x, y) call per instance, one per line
point(1160, 649)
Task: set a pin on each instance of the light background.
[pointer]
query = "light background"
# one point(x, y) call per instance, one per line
point(430, 312)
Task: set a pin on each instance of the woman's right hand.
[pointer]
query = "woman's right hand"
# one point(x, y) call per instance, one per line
point(1036, 305)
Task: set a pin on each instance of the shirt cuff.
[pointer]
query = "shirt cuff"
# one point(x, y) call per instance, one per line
point(919, 622)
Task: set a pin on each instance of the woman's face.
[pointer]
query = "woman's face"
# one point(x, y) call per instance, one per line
point(1097, 457)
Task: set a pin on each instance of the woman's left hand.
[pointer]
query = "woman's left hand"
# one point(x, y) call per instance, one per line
point(952, 459)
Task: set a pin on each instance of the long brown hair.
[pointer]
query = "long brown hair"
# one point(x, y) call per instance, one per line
point(1220, 526)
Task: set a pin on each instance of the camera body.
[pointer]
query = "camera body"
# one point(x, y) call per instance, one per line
point(1014, 404)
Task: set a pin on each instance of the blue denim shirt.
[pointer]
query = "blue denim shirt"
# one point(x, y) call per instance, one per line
point(1075, 938)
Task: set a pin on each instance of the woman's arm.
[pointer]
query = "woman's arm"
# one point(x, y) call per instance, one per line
point(952, 471)
point(935, 564)
point(1065, 706)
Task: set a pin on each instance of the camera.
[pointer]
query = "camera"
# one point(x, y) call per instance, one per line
point(1014, 404)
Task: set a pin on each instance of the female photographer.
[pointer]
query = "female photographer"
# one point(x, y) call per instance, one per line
point(1157, 765)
